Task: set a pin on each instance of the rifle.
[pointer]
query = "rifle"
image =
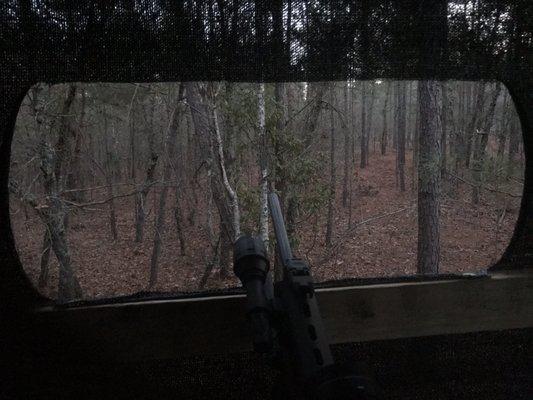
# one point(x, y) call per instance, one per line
point(285, 319)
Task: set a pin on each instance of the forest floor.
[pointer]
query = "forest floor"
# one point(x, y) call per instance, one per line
point(381, 242)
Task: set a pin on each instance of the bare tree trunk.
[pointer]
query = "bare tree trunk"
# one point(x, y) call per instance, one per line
point(444, 127)
point(112, 211)
point(263, 153)
point(416, 143)
point(178, 222)
point(53, 216)
point(37, 109)
point(108, 173)
point(428, 179)
point(514, 143)
point(141, 197)
point(384, 113)
point(409, 132)
point(474, 121)
point(347, 163)
point(315, 95)
point(331, 198)
point(69, 288)
point(52, 168)
point(206, 122)
point(480, 144)
point(369, 116)
point(232, 193)
point(364, 141)
point(229, 139)
point(210, 262)
point(45, 258)
point(75, 172)
point(170, 146)
point(353, 125)
point(460, 134)
point(400, 133)
point(131, 123)
point(280, 182)
point(200, 115)
point(505, 119)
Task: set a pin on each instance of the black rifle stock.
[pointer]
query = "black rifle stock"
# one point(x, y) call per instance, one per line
point(301, 317)
point(289, 320)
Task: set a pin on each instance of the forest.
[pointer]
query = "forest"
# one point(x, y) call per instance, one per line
point(118, 188)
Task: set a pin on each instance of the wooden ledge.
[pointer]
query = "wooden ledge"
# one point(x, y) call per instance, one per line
point(155, 329)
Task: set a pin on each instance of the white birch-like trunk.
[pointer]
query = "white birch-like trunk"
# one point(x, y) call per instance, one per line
point(263, 218)
point(231, 192)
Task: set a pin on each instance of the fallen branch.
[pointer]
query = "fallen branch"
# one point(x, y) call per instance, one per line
point(96, 187)
point(343, 238)
point(488, 188)
point(95, 203)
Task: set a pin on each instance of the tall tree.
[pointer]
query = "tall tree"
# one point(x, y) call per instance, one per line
point(53, 162)
point(475, 113)
point(364, 139)
point(347, 162)
point(444, 127)
point(514, 144)
point(202, 121)
point(370, 119)
point(384, 132)
point(262, 158)
point(170, 153)
point(332, 177)
point(400, 133)
point(75, 175)
point(428, 179)
point(142, 195)
point(480, 143)
point(433, 51)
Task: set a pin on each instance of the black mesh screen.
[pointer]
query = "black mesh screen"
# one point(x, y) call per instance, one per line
point(279, 40)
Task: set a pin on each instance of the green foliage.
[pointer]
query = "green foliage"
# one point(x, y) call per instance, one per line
point(294, 168)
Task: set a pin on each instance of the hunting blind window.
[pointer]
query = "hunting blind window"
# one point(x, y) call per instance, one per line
point(118, 188)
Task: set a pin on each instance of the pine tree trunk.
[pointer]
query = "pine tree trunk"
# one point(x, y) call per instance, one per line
point(364, 141)
point(347, 163)
point(384, 113)
point(400, 133)
point(331, 198)
point(416, 144)
point(369, 120)
point(428, 179)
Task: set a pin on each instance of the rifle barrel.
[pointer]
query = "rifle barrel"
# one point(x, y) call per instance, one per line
point(283, 246)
